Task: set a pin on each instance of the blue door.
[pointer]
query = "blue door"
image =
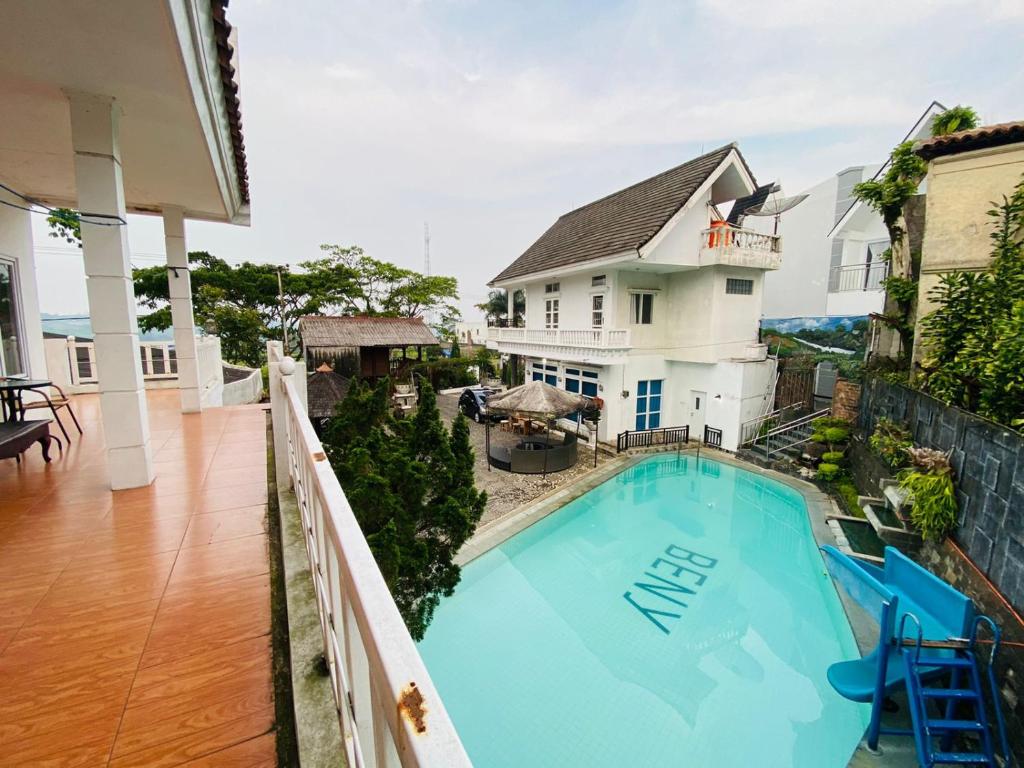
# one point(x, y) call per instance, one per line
point(648, 404)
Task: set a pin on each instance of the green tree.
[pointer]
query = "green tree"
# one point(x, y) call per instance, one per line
point(958, 118)
point(411, 486)
point(974, 354)
point(66, 225)
point(495, 309)
point(888, 196)
point(456, 350)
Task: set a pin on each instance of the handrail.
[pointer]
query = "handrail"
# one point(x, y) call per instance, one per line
point(389, 710)
point(798, 422)
point(866, 276)
point(645, 438)
point(746, 438)
point(721, 237)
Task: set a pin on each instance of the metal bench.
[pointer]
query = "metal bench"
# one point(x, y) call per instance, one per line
point(16, 437)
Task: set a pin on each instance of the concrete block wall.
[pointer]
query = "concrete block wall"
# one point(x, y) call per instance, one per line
point(989, 462)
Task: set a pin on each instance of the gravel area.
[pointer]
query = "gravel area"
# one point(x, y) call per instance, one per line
point(507, 491)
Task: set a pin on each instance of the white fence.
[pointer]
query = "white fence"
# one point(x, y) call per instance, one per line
point(71, 364)
point(858, 277)
point(736, 237)
point(600, 338)
point(389, 711)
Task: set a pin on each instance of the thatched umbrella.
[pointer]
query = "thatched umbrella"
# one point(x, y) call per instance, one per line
point(535, 399)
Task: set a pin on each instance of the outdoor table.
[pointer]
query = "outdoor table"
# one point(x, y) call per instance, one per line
point(11, 406)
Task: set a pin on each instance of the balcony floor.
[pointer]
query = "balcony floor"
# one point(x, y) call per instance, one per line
point(135, 625)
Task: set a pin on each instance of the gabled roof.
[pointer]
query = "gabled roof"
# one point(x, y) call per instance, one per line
point(328, 331)
point(621, 222)
point(923, 121)
point(977, 138)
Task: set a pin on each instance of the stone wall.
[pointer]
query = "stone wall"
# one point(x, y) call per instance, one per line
point(989, 463)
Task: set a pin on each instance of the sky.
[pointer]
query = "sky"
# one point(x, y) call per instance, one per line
point(488, 119)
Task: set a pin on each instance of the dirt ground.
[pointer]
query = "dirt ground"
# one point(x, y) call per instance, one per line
point(507, 491)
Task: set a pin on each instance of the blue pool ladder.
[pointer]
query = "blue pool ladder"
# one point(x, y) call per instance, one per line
point(959, 659)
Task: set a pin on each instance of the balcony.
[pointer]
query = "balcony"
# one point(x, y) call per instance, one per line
point(586, 345)
point(858, 277)
point(736, 247)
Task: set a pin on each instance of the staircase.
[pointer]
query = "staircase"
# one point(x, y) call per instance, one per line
point(788, 438)
point(961, 734)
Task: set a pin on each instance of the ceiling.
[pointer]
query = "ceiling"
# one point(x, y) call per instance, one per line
point(153, 58)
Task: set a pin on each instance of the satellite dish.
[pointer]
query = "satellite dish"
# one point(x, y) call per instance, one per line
point(776, 206)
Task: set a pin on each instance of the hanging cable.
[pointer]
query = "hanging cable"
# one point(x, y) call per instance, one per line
point(83, 216)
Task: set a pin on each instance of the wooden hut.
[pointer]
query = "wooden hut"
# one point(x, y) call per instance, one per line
point(361, 346)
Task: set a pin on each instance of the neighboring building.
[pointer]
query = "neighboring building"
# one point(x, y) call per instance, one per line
point(361, 346)
point(834, 246)
point(967, 171)
point(472, 333)
point(122, 107)
point(635, 299)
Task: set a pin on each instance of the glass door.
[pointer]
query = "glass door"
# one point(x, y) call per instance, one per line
point(11, 357)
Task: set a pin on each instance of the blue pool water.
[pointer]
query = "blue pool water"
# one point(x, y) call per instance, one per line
point(677, 615)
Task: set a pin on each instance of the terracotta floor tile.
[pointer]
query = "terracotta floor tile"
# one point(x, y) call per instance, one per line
point(200, 567)
point(260, 752)
point(226, 524)
point(200, 744)
point(143, 612)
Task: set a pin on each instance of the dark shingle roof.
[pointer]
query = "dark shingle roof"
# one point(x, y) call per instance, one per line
point(977, 138)
point(324, 390)
point(326, 331)
point(621, 222)
point(752, 201)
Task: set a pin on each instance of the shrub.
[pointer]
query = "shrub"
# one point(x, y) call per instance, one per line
point(824, 422)
point(848, 492)
point(832, 457)
point(836, 435)
point(447, 373)
point(828, 472)
point(934, 507)
point(891, 441)
point(817, 437)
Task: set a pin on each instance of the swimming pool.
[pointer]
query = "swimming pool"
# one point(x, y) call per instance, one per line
point(676, 615)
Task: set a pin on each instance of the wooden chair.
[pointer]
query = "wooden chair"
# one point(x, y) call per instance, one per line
point(55, 404)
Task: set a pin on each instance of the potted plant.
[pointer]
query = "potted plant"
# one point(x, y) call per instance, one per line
point(929, 483)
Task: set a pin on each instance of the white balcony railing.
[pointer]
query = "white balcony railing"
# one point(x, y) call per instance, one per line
point(389, 710)
point(587, 338)
point(739, 247)
point(157, 358)
point(858, 277)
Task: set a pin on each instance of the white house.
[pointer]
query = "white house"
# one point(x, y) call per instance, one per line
point(472, 332)
point(834, 247)
point(123, 107)
point(637, 299)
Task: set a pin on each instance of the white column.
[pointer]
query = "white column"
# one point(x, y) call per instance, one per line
point(179, 284)
point(510, 296)
point(94, 137)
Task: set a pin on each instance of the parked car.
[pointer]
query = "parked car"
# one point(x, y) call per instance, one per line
point(473, 403)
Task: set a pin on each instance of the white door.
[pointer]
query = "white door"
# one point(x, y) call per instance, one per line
point(698, 404)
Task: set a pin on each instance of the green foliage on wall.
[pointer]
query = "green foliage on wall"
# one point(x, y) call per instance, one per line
point(974, 354)
point(891, 441)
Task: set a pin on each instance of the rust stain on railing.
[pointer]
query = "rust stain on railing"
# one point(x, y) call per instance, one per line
point(410, 705)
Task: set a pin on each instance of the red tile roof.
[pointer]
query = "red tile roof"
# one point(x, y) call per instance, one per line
point(232, 104)
point(976, 138)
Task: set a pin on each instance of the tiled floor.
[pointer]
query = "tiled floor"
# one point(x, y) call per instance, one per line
point(134, 626)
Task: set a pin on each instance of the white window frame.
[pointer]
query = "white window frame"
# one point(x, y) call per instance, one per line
point(598, 281)
point(597, 313)
point(552, 288)
point(19, 319)
point(636, 302)
point(551, 311)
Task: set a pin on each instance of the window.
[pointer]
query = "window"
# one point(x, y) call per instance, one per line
point(545, 373)
point(552, 287)
point(551, 313)
point(597, 310)
point(11, 360)
point(648, 404)
point(597, 281)
point(641, 308)
point(738, 286)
